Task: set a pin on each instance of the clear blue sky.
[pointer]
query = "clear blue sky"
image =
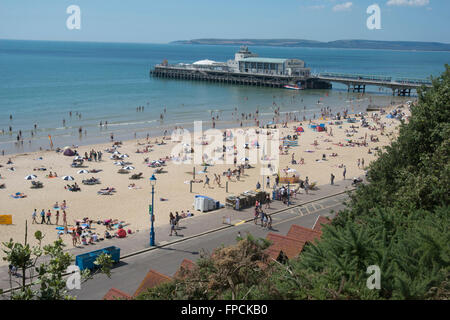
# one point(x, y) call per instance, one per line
point(162, 21)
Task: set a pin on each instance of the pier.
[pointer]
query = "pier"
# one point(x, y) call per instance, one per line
point(358, 83)
point(249, 69)
point(237, 78)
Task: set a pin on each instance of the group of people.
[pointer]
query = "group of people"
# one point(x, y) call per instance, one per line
point(266, 219)
point(175, 219)
point(46, 216)
point(93, 155)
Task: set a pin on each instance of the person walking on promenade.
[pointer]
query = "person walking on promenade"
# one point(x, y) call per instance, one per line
point(172, 225)
point(345, 171)
point(262, 215)
point(269, 222)
point(332, 179)
point(255, 219)
point(267, 201)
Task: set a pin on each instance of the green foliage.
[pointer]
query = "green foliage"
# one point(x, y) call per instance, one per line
point(399, 222)
point(50, 274)
point(51, 282)
point(104, 264)
point(234, 272)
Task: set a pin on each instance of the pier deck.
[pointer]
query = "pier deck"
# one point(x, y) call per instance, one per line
point(358, 83)
point(240, 78)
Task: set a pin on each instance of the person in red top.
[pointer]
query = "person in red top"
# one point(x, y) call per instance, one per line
point(49, 214)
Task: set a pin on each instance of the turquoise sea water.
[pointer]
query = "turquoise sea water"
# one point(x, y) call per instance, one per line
point(41, 82)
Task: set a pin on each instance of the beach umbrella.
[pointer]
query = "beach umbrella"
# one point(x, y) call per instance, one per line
point(118, 163)
point(129, 168)
point(68, 178)
point(124, 156)
point(82, 171)
point(77, 158)
point(30, 177)
point(116, 152)
point(244, 159)
point(291, 170)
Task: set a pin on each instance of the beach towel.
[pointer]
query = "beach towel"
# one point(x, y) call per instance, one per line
point(59, 228)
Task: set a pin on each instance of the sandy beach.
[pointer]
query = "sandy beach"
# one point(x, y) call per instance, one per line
point(131, 205)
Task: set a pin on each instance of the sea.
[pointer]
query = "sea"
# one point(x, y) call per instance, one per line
point(50, 88)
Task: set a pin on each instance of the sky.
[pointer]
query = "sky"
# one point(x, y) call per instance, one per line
point(162, 21)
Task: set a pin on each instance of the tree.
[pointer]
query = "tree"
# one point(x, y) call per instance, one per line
point(50, 273)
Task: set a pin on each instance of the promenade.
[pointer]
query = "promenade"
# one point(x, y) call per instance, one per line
point(200, 224)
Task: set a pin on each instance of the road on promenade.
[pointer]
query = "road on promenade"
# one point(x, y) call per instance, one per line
point(166, 260)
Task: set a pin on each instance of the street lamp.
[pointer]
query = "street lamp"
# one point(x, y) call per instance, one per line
point(152, 217)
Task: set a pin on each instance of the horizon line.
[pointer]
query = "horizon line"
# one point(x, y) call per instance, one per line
point(233, 39)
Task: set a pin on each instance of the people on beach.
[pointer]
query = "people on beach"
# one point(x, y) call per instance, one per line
point(42, 216)
point(49, 215)
point(33, 216)
point(172, 224)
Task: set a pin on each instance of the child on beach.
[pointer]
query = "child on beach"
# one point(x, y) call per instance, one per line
point(74, 239)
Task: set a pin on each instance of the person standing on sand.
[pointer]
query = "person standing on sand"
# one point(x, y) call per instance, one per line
point(57, 217)
point(42, 216)
point(74, 239)
point(206, 181)
point(345, 171)
point(33, 215)
point(49, 214)
point(332, 179)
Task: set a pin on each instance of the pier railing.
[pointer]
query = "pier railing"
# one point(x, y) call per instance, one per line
point(373, 79)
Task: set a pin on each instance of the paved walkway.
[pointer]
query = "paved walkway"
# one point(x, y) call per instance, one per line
point(190, 227)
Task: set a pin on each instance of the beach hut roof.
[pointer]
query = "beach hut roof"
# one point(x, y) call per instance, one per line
point(152, 279)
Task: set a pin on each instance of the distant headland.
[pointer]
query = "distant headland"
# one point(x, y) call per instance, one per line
point(338, 44)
